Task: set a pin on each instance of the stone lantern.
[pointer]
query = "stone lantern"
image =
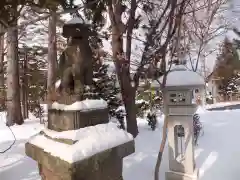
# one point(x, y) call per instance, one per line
point(179, 109)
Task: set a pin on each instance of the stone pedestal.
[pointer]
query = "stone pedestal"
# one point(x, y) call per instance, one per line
point(101, 165)
point(106, 165)
point(60, 120)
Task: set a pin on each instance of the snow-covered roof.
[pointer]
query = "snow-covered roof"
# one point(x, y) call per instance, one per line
point(179, 75)
point(90, 141)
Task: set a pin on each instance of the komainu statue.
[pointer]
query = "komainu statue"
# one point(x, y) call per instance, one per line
point(76, 62)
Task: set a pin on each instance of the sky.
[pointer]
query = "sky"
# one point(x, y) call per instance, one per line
point(232, 16)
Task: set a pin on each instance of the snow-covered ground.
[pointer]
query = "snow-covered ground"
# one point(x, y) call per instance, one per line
point(222, 104)
point(217, 156)
point(14, 165)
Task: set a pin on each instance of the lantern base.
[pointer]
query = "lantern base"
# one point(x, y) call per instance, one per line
point(171, 175)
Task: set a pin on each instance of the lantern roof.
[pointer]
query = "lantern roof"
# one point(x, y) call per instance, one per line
point(180, 76)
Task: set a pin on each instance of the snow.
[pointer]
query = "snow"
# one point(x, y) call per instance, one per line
point(222, 104)
point(214, 154)
point(75, 20)
point(81, 105)
point(90, 141)
point(111, 66)
point(140, 101)
point(217, 155)
point(180, 76)
point(155, 84)
point(120, 108)
point(96, 79)
point(58, 83)
point(14, 164)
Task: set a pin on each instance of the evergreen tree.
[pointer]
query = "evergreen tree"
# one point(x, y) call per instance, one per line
point(227, 67)
point(105, 87)
point(232, 85)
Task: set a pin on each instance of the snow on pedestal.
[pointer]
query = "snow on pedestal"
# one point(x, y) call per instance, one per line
point(89, 141)
point(81, 105)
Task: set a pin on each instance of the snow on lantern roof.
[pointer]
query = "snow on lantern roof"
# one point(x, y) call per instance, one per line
point(179, 75)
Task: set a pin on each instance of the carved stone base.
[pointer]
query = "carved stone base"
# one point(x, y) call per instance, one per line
point(171, 175)
point(110, 172)
point(46, 174)
point(106, 165)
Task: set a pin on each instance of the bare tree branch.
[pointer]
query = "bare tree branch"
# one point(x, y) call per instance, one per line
point(130, 26)
point(202, 30)
point(43, 17)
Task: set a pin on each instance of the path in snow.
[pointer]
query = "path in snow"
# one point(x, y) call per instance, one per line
point(217, 154)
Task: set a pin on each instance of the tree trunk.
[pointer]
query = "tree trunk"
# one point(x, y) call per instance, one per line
point(128, 92)
point(131, 111)
point(14, 114)
point(161, 149)
point(52, 54)
point(25, 87)
point(2, 81)
point(165, 124)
